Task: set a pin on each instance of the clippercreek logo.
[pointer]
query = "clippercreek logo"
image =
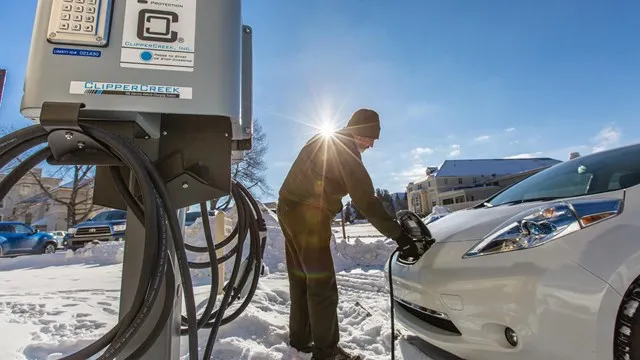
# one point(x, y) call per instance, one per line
point(100, 88)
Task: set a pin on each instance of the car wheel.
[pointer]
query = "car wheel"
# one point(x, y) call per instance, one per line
point(627, 332)
point(50, 248)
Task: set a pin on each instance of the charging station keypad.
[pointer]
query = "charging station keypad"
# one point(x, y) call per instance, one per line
point(81, 22)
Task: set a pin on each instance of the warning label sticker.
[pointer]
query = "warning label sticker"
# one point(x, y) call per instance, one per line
point(159, 35)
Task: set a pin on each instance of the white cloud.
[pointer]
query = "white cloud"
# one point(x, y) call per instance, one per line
point(510, 129)
point(607, 138)
point(417, 171)
point(455, 150)
point(525, 156)
point(422, 151)
point(483, 138)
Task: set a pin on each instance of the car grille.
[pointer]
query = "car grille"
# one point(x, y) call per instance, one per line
point(93, 231)
point(429, 317)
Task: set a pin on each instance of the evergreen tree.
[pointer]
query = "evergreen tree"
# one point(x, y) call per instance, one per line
point(347, 213)
point(387, 200)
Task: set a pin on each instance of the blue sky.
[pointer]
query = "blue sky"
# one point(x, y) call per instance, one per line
point(450, 79)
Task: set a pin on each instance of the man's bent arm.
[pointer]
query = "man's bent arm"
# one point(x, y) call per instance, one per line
point(360, 188)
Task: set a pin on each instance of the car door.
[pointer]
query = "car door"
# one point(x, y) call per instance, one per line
point(28, 239)
point(10, 245)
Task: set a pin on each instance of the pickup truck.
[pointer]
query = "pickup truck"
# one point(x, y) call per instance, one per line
point(108, 225)
point(17, 238)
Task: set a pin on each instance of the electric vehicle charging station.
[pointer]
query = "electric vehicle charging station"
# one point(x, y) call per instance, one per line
point(157, 95)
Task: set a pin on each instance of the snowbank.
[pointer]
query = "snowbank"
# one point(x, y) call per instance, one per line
point(372, 252)
point(108, 253)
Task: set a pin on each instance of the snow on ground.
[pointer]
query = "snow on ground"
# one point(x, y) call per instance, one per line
point(53, 305)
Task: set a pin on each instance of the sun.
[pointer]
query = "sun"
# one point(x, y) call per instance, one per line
point(327, 129)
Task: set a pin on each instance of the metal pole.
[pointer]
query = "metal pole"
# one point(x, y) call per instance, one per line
point(220, 234)
point(344, 231)
point(167, 346)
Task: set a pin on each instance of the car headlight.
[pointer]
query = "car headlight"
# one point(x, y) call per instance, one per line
point(541, 225)
point(71, 231)
point(118, 228)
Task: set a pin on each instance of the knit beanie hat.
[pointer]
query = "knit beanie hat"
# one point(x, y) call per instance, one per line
point(365, 123)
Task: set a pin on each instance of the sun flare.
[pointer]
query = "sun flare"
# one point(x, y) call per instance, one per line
point(327, 129)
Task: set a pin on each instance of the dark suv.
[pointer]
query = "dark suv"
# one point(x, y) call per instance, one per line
point(107, 226)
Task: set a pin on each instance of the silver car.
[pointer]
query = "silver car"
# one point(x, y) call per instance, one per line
point(546, 269)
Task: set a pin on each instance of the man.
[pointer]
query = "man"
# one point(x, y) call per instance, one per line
point(327, 169)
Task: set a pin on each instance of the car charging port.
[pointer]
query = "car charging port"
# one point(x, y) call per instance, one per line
point(418, 231)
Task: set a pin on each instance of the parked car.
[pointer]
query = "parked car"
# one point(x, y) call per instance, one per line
point(108, 225)
point(17, 238)
point(546, 269)
point(191, 216)
point(58, 236)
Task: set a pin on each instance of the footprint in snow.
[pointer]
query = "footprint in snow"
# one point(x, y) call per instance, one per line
point(110, 311)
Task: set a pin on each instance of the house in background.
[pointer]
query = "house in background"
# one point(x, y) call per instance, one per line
point(49, 213)
point(460, 184)
point(417, 193)
point(28, 186)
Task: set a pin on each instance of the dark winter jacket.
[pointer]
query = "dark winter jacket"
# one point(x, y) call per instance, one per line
point(329, 168)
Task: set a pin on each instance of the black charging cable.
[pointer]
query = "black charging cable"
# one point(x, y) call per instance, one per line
point(156, 212)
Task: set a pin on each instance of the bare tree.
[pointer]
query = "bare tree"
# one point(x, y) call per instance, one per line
point(250, 172)
point(75, 178)
point(78, 207)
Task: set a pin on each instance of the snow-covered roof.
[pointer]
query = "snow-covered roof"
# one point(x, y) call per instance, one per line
point(492, 167)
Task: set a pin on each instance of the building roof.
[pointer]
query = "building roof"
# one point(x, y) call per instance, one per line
point(69, 185)
point(492, 167)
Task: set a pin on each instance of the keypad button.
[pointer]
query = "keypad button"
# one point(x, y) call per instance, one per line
point(68, 0)
point(91, 2)
point(79, 8)
point(89, 18)
point(77, 17)
point(91, 10)
point(65, 16)
point(75, 27)
point(66, 7)
point(80, 1)
point(88, 28)
point(64, 26)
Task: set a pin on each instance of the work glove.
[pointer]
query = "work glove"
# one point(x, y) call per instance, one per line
point(408, 247)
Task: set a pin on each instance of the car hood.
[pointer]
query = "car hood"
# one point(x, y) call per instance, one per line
point(101, 223)
point(474, 224)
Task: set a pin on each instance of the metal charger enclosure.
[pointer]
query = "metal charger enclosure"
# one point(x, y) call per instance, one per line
point(173, 75)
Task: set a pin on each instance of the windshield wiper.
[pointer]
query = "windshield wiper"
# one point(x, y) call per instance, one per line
point(514, 202)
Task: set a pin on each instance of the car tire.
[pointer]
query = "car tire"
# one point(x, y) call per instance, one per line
point(50, 248)
point(627, 331)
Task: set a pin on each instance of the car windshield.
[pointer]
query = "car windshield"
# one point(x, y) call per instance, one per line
point(110, 216)
point(596, 173)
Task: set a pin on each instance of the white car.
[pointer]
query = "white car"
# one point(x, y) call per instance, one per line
point(546, 269)
point(58, 236)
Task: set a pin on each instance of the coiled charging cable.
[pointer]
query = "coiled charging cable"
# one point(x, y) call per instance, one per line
point(156, 211)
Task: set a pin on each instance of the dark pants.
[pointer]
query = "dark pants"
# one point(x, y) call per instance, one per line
point(312, 280)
